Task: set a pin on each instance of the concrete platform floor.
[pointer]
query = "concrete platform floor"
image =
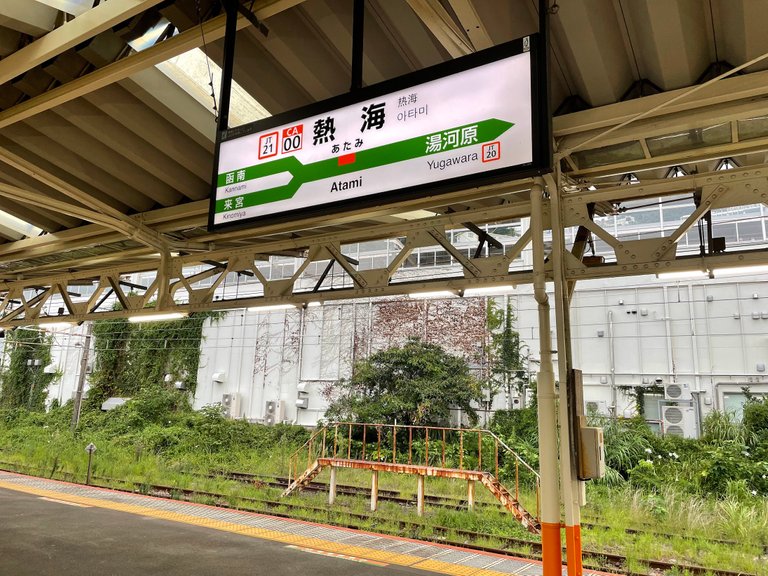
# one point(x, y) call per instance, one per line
point(56, 528)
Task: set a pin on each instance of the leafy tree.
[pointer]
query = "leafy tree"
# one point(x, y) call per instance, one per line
point(24, 383)
point(417, 384)
point(506, 353)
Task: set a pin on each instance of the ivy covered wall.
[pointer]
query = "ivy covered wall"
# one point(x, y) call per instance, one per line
point(24, 381)
point(130, 357)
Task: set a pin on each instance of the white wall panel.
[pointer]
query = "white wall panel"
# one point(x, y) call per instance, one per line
point(265, 356)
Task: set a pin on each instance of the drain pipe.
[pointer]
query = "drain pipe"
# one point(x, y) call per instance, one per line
point(545, 386)
point(612, 363)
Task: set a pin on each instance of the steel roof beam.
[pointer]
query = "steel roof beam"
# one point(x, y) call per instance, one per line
point(129, 226)
point(26, 17)
point(442, 26)
point(120, 70)
point(126, 67)
point(473, 25)
point(70, 34)
point(73, 7)
point(726, 90)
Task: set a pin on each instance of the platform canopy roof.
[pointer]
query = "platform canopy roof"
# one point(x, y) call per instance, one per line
point(107, 122)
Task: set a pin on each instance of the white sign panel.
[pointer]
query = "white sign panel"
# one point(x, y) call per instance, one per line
point(472, 123)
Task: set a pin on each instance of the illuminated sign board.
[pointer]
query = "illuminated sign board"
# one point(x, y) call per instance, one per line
point(471, 121)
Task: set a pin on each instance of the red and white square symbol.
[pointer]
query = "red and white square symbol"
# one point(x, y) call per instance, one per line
point(268, 145)
point(293, 138)
point(491, 151)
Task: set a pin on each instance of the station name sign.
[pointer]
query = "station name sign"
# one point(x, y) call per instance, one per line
point(467, 122)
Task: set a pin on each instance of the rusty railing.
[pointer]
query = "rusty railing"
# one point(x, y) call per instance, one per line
point(438, 447)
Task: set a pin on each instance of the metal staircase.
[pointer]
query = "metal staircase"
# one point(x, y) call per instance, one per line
point(471, 455)
point(306, 477)
point(511, 503)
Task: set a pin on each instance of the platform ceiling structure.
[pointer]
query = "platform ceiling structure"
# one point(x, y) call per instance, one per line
point(107, 138)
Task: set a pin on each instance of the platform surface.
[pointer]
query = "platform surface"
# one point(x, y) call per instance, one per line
point(56, 528)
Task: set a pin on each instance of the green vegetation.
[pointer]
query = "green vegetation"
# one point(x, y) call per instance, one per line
point(415, 384)
point(130, 357)
point(151, 438)
point(507, 356)
point(693, 492)
point(24, 383)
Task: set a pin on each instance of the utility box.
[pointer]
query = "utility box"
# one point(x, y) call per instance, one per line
point(591, 453)
point(273, 412)
point(230, 404)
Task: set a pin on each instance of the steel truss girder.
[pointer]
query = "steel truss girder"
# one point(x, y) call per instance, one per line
point(721, 189)
point(174, 277)
point(632, 257)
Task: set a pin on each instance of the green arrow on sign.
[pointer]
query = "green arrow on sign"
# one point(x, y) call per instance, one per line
point(486, 131)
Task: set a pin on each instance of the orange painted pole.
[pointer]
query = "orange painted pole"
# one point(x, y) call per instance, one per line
point(394, 444)
point(335, 439)
point(480, 451)
point(443, 460)
point(410, 443)
point(324, 433)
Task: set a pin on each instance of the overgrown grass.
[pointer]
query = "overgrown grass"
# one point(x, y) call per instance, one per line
point(146, 443)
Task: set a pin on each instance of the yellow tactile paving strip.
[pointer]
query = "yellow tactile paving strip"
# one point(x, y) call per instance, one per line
point(359, 552)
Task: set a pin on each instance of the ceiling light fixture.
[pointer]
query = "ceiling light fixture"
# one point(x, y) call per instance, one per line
point(271, 307)
point(683, 275)
point(157, 317)
point(434, 294)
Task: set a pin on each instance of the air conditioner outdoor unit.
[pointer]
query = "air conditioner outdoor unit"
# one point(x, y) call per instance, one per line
point(675, 391)
point(230, 404)
point(679, 421)
point(597, 407)
point(273, 412)
point(517, 403)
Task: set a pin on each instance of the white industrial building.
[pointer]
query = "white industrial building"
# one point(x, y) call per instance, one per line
point(694, 341)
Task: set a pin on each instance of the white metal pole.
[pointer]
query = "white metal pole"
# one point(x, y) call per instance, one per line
point(570, 485)
point(374, 490)
point(332, 487)
point(420, 495)
point(545, 386)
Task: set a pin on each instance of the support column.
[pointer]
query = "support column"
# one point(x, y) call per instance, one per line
point(358, 26)
point(81, 376)
point(374, 490)
point(470, 495)
point(420, 495)
point(551, 546)
point(570, 485)
point(332, 487)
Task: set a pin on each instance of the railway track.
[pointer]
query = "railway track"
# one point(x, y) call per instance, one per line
point(519, 547)
point(443, 502)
